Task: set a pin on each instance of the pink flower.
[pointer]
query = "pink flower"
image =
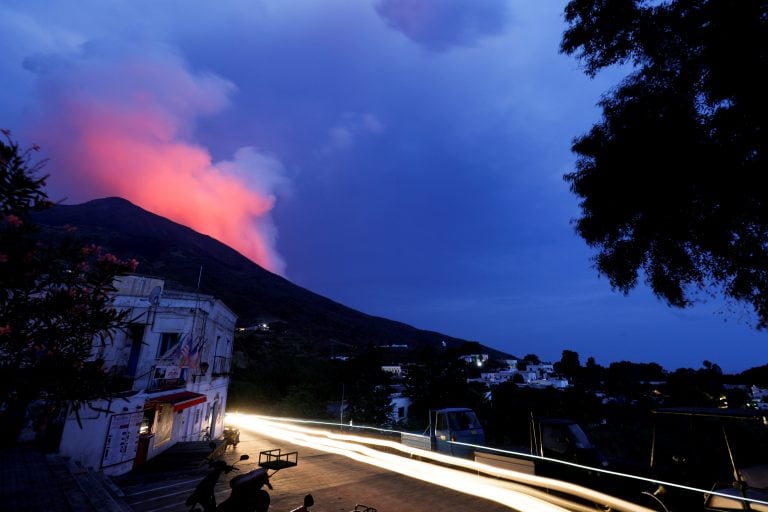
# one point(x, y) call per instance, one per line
point(13, 220)
point(109, 258)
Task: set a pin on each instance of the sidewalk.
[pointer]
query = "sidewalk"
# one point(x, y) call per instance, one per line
point(31, 481)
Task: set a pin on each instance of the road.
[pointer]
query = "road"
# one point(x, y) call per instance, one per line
point(341, 472)
point(336, 482)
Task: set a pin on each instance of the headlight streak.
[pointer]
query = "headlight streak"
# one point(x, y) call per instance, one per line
point(452, 460)
point(436, 475)
point(513, 491)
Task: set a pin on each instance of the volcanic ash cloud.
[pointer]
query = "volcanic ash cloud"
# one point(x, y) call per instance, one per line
point(121, 125)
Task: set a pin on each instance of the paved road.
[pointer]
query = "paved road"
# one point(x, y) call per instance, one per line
point(336, 482)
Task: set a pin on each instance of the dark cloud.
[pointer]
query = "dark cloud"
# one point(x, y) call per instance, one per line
point(441, 25)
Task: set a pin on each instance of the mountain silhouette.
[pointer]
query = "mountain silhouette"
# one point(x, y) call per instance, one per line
point(183, 257)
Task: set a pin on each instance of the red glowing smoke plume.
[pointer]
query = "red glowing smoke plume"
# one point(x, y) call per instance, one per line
point(122, 127)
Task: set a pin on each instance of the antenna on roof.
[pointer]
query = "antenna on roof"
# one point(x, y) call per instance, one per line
point(199, 277)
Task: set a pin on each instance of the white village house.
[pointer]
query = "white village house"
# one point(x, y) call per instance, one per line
point(173, 362)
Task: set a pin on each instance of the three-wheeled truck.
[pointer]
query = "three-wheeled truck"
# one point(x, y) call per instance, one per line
point(722, 451)
point(457, 431)
point(449, 431)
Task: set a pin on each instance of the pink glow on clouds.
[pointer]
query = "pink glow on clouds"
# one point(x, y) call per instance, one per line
point(121, 128)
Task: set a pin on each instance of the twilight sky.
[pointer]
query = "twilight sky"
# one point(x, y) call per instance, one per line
point(402, 157)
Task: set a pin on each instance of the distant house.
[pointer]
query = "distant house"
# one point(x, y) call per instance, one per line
point(511, 364)
point(546, 383)
point(172, 365)
point(394, 369)
point(400, 405)
point(542, 370)
point(493, 378)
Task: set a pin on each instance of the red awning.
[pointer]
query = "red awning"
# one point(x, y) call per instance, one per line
point(180, 400)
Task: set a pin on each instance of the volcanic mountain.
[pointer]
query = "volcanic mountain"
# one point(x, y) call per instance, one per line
point(177, 254)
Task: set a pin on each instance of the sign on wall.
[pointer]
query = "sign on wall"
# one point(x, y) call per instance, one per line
point(167, 372)
point(122, 438)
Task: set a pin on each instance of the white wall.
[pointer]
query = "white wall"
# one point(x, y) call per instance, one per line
point(194, 317)
point(85, 443)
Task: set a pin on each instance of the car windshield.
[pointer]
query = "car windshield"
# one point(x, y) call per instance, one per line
point(580, 437)
point(463, 420)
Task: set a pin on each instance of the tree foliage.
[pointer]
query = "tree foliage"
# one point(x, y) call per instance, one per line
point(673, 181)
point(569, 365)
point(54, 298)
point(367, 390)
point(438, 379)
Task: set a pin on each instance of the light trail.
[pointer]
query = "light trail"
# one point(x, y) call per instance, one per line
point(509, 488)
point(444, 459)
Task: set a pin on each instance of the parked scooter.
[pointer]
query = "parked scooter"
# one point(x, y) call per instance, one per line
point(248, 494)
point(204, 491)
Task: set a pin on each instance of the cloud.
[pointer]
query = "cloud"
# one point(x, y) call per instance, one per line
point(441, 25)
point(120, 122)
point(351, 125)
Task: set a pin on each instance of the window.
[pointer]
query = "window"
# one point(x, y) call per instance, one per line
point(463, 420)
point(168, 340)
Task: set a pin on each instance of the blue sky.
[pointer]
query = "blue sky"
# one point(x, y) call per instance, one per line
point(402, 157)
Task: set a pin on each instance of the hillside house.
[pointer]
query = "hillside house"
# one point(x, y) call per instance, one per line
point(172, 365)
point(401, 405)
point(395, 370)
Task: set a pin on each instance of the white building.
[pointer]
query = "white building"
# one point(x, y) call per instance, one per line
point(542, 370)
point(394, 369)
point(401, 405)
point(493, 378)
point(172, 365)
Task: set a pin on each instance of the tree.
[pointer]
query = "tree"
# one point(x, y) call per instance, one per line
point(673, 180)
point(702, 387)
point(592, 374)
point(439, 379)
point(569, 365)
point(367, 388)
point(54, 301)
point(529, 359)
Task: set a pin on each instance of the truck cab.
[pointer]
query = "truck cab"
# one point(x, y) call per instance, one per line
point(456, 425)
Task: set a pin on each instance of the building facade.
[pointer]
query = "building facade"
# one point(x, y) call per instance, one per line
point(171, 366)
